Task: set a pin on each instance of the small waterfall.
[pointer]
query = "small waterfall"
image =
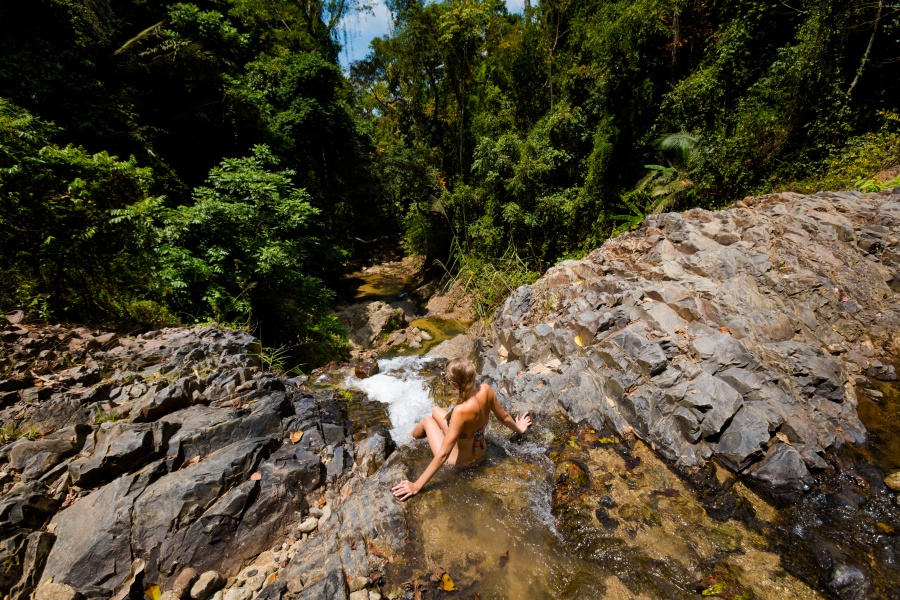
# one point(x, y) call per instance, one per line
point(399, 385)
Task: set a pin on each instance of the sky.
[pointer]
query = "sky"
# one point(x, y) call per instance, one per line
point(362, 28)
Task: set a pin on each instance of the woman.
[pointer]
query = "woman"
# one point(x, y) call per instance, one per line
point(457, 436)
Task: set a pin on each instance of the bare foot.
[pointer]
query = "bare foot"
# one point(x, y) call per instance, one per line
point(418, 431)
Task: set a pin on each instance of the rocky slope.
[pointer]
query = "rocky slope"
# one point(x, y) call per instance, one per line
point(151, 460)
point(741, 334)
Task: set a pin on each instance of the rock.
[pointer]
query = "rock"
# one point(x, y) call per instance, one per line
point(893, 481)
point(365, 369)
point(185, 582)
point(782, 468)
point(207, 584)
point(359, 595)
point(371, 453)
point(56, 591)
point(121, 448)
point(357, 583)
point(308, 526)
point(335, 467)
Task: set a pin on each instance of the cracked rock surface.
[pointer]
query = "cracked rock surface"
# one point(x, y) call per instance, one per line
point(739, 334)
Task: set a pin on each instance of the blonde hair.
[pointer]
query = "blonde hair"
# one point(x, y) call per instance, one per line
point(461, 374)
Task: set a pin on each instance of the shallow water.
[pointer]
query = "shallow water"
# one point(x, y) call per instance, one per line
point(564, 513)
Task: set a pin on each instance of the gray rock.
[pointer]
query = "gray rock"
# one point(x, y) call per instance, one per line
point(371, 453)
point(782, 468)
point(120, 448)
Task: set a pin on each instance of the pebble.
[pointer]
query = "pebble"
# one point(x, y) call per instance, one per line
point(55, 591)
point(358, 583)
point(308, 526)
point(893, 481)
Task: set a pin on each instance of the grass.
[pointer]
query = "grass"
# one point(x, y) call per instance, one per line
point(488, 281)
point(11, 433)
point(110, 416)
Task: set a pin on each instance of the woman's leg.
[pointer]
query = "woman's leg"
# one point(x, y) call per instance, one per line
point(435, 435)
point(440, 415)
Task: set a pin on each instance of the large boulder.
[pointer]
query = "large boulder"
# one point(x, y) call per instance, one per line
point(737, 334)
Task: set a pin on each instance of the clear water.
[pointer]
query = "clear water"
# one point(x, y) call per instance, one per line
point(500, 530)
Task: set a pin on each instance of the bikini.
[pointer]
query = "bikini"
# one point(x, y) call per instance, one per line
point(477, 443)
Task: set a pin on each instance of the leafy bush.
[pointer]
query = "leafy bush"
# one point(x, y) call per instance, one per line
point(242, 253)
point(62, 251)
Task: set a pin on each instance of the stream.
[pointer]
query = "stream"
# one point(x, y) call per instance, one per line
point(570, 512)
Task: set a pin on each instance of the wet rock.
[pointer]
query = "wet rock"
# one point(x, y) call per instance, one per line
point(782, 468)
point(893, 481)
point(365, 369)
point(371, 453)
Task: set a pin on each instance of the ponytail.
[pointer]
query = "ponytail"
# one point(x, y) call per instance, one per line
point(461, 374)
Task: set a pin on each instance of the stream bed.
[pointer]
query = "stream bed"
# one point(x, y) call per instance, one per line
point(569, 512)
point(566, 512)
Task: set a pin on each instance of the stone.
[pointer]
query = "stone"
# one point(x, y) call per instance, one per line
point(371, 453)
point(207, 584)
point(359, 595)
point(185, 582)
point(365, 369)
point(56, 591)
point(893, 481)
point(308, 526)
point(782, 468)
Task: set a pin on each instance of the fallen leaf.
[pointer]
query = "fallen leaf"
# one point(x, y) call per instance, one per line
point(296, 436)
point(322, 502)
point(346, 493)
point(191, 462)
point(714, 590)
point(437, 575)
point(884, 527)
point(48, 581)
point(256, 476)
point(578, 341)
point(152, 592)
point(271, 578)
point(446, 584)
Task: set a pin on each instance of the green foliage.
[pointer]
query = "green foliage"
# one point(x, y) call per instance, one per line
point(856, 164)
point(62, 251)
point(242, 253)
point(487, 281)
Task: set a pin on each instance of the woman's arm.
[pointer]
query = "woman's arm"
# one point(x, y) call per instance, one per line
point(406, 489)
point(519, 425)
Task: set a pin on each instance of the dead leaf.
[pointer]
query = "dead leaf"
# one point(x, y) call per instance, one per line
point(375, 576)
point(152, 592)
point(724, 330)
point(271, 578)
point(322, 502)
point(296, 436)
point(446, 584)
point(437, 575)
point(578, 341)
point(191, 462)
point(256, 476)
point(346, 493)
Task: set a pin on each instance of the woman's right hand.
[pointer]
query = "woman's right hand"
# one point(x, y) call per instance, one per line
point(523, 422)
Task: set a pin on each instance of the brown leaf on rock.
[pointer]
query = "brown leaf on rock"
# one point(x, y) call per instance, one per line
point(256, 476)
point(436, 576)
point(191, 462)
point(296, 436)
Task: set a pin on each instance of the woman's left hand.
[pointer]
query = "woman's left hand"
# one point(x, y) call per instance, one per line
point(405, 489)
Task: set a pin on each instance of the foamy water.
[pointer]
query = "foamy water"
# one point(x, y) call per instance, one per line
point(399, 385)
